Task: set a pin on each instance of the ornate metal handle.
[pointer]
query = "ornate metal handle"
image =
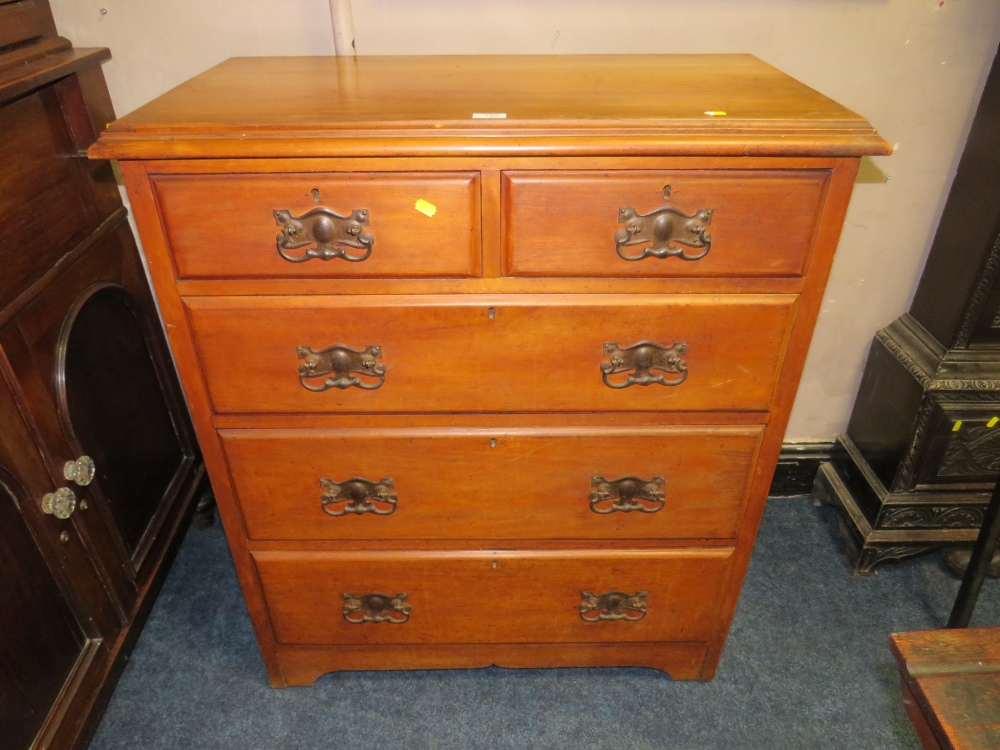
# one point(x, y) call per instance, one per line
point(643, 358)
point(341, 363)
point(667, 228)
point(329, 232)
point(60, 503)
point(614, 605)
point(359, 496)
point(359, 608)
point(80, 471)
point(626, 494)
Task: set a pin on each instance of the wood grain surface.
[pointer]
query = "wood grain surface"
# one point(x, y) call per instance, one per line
point(223, 226)
point(564, 223)
point(951, 680)
point(448, 354)
point(492, 596)
point(508, 483)
point(44, 203)
point(398, 105)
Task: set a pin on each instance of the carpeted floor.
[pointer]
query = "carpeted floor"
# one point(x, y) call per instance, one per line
point(806, 666)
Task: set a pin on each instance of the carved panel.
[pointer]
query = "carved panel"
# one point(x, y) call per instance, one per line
point(871, 557)
point(932, 517)
point(955, 444)
point(971, 452)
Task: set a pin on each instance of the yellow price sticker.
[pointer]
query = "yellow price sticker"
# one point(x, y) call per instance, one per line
point(955, 427)
point(425, 207)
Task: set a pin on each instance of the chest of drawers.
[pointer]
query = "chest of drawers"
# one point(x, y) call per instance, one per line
point(490, 358)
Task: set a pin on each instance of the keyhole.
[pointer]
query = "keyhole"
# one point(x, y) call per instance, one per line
point(491, 313)
point(315, 194)
point(493, 442)
point(494, 565)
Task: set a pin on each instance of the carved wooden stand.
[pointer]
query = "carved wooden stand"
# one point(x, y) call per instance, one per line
point(922, 451)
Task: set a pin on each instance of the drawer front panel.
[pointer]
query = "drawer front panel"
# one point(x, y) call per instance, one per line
point(514, 483)
point(490, 354)
point(225, 225)
point(565, 223)
point(490, 596)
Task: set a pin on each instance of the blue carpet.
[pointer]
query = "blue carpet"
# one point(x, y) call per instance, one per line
point(806, 666)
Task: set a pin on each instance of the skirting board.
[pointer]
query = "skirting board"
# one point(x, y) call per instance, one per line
point(797, 467)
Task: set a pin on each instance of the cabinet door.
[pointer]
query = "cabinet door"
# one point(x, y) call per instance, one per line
point(91, 363)
point(55, 618)
point(41, 640)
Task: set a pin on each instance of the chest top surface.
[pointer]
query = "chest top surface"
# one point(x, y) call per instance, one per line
point(513, 105)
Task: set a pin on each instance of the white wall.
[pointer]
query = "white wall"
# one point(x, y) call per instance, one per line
point(914, 68)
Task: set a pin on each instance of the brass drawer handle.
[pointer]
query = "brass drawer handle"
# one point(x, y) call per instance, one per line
point(626, 494)
point(643, 358)
point(359, 608)
point(614, 605)
point(358, 496)
point(329, 232)
point(342, 364)
point(667, 228)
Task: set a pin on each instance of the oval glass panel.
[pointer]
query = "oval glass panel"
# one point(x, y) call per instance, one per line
point(117, 410)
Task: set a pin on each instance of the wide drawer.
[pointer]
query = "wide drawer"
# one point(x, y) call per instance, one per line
point(506, 483)
point(565, 223)
point(225, 225)
point(481, 354)
point(503, 596)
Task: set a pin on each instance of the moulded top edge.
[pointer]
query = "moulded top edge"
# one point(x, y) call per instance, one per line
point(732, 101)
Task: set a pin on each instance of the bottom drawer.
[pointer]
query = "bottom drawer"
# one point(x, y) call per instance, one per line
point(492, 596)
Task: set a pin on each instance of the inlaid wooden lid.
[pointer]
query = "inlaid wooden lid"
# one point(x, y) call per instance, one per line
point(490, 105)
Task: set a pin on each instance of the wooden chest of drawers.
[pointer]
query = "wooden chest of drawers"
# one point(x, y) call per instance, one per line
point(490, 358)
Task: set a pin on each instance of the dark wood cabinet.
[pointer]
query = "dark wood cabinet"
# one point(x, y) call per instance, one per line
point(98, 462)
point(57, 627)
point(921, 455)
point(45, 632)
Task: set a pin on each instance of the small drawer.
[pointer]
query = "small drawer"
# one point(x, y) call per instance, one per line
point(505, 483)
point(483, 596)
point(714, 223)
point(408, 354)
point(362, 224)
